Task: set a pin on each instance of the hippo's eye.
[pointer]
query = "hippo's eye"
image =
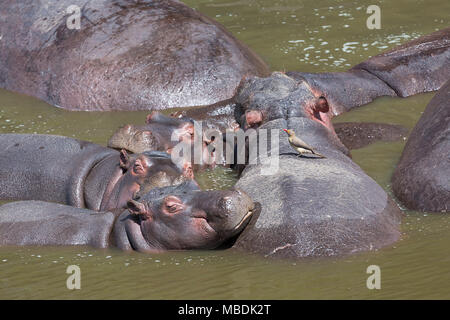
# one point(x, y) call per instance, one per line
point(172, 209)
point(172, 204)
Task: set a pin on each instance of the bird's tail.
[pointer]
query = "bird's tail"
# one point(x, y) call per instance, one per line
point(318, 154)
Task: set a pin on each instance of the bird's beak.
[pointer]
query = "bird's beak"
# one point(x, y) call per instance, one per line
point(285, 130)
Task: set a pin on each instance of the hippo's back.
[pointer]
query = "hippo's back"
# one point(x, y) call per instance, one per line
point(126, 55)
point(43, 223)
point(46, 167)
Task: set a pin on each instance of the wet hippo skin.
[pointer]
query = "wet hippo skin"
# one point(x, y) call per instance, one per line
point(41, 223)
point(421, 180)
point(182, 59)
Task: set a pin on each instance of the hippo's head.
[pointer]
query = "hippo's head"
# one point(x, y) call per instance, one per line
point(162, 133)
point(260, 100)
point(184, 217)
point(141, 173)
point(155, 135)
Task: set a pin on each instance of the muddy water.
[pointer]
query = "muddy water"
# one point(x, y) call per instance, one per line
point(291, 35)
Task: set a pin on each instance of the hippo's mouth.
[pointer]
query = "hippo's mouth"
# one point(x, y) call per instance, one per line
point(243, 223)
point(323, 118)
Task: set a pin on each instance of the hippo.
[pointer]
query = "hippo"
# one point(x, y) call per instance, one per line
point(309, 206)
point(164, 133)
point(421, 179)
point(80, 173)
point(170, 218)
point(182, 59)
point(156, 134)
point(420, 65)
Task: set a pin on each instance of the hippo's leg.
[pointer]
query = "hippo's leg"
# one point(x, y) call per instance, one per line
point(32, 223)
point(422, 178)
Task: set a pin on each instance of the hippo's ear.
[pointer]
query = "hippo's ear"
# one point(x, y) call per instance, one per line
point(137, 208)
point(151, 116)
point(124, 159)
point(188, 170)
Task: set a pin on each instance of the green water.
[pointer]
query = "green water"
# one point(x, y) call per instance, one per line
point(289, 35)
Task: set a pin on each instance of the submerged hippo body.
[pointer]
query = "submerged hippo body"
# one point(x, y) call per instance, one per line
point(182, 59)
point(79, 173)
point(179, 218)
point(355, 135)
point(420, 65)
point(310, 206)
point(421, 180)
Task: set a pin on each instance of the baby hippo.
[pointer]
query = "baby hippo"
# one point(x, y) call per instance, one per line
point(140, 173)
point(183, 217)
point(163, 133)
point(156, 134)
point(171, 218)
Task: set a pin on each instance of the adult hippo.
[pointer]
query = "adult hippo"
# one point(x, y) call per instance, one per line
point(310, 206)
point(182, 59)
point(178, 218)
point(421, 180)
point(79, 173)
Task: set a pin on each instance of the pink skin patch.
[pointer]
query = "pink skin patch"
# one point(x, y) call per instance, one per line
point(253, 119)
point(320, 112)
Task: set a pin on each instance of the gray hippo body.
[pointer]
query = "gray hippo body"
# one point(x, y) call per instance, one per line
point(421, 180)
point(127, 55)
point(31, 223)
point(310, 206)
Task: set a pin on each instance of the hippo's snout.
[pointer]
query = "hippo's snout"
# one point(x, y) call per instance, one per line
point(228, 212)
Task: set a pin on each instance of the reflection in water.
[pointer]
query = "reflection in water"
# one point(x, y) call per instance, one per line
point(290, 35)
